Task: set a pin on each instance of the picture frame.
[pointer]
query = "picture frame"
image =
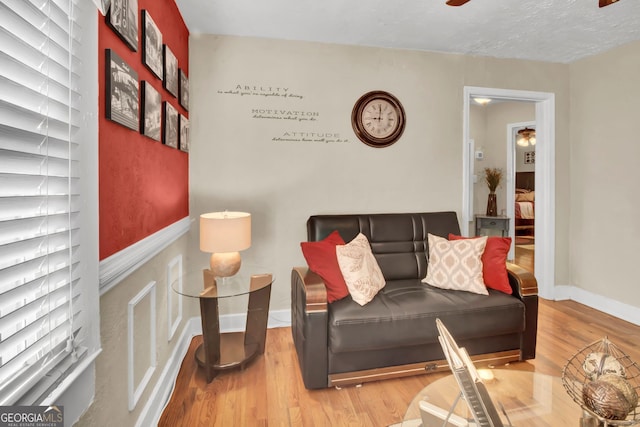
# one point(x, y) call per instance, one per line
point(123, 19)
point(170, 128)
point(151, 45)
point(183, 92)
point(151, 115)
point(121, 86)
point(529, 157)
point(170, 81)
point(184, 134)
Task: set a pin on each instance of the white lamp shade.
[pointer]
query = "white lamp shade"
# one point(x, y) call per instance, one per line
point(225, 232)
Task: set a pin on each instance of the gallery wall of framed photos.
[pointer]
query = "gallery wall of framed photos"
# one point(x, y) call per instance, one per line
point(143, 59)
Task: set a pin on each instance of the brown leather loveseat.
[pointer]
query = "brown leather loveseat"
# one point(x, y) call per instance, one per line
point(395, 334)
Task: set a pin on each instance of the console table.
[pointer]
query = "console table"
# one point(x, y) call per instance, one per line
point(493, 223)
point(528, 399)
point(229, 350)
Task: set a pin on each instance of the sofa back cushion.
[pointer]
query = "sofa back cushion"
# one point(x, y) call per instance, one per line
point(398, 241)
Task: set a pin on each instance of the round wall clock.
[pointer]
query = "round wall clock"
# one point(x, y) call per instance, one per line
point(378, 119)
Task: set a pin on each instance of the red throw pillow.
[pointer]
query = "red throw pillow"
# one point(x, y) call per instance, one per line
point(322, 260)
point(494, 258)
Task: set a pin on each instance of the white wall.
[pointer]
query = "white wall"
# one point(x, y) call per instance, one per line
point(235, 163)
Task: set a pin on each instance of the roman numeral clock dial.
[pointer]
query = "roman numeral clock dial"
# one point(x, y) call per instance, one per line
point(378, 119)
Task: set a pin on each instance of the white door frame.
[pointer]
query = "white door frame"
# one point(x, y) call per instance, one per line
point(544, 179)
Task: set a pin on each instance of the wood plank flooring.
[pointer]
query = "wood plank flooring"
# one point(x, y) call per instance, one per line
point(269, 392)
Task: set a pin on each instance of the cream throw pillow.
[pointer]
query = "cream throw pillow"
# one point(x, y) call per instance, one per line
point(360, 269)
point(456, 264)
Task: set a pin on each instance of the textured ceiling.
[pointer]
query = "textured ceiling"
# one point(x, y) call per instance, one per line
point(544, 30)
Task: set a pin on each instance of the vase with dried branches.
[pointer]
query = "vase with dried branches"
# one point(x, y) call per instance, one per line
point(492, 177)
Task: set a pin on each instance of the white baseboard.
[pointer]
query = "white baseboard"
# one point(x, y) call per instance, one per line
point(161, 393)
point(237, 322)
point(152, 410)
point(599, 302)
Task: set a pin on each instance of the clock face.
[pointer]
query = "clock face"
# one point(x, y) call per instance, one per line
point(378, 119)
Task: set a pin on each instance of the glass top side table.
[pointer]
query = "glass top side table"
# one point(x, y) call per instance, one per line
point(223, 351)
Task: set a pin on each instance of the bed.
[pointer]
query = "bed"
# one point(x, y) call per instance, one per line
point(525, 204)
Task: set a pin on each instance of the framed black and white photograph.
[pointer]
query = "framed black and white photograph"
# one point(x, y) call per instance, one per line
point(184, 90)
point(170, 129)
point(184, 133)
point(151, 45)
point(123, 18)
point(170, 71)
point(151, 123)
point(122, 104)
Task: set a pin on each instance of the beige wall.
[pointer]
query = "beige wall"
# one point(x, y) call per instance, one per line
point(236, 164)
point(110, 406)
point(605, 231)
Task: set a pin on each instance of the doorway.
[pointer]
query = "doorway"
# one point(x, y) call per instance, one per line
point(544, 176)
point(521, 192)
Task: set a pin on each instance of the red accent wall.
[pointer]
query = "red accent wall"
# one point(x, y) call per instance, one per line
point(144, 185)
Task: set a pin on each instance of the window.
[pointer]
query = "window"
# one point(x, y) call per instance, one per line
point(48, 309)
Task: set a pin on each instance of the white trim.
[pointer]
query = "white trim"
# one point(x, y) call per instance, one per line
point(172, 323)
point(55, 395)
point(545, 176)
point(279, 319)
point(135, 391)
point(238, 322)
point(469, 154)
point(118, 266)
point(467, 180)
point(602, 303)
point(545, 222)
point(153, 408)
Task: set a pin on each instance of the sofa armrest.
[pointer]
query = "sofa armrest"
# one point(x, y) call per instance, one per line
point(309, 326)
point(525, 287)
point(522, 281)
point(313, 287)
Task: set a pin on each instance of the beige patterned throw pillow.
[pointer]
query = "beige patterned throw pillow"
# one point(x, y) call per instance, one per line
point(360, 269)
point(456, 264)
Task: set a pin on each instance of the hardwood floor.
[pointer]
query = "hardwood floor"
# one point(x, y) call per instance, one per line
point(270, 392)
point(524, 257)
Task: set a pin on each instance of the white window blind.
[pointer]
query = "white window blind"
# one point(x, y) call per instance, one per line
point(40, 293)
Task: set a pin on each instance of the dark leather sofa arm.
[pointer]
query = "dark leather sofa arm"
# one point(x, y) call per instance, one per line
point(309, 326)
point(525, 287)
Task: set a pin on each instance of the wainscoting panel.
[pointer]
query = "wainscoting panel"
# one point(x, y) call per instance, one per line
point(142, 358)
point(174, 300)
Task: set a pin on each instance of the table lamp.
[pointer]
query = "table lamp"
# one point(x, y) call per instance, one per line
point(224, 234)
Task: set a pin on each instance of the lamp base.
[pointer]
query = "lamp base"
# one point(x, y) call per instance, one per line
point(225, 264)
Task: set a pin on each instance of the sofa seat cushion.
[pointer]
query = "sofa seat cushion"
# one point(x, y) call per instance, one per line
point(403, 314)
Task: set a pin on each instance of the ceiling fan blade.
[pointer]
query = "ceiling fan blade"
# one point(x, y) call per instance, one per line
point(461, 2)
point(604, 3)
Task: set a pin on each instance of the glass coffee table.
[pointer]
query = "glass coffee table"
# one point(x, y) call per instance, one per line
point(229, 350)
point(527, 399)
